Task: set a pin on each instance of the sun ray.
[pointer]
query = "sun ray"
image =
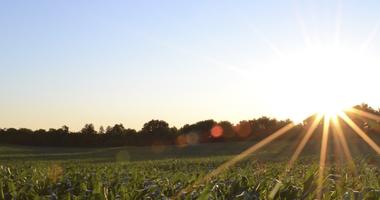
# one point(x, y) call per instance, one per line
point(241, 156)
point(323, 156)
point(370, 38)
point(360, 132)
point(302, 26)
point(343, 142)
point(206, 58)
point(297, 152)
point(364, 114)
point(303, 142)
point(251, 150)
point(267, 42)
point(338, 23)
point(260, 34)
point(338, 154)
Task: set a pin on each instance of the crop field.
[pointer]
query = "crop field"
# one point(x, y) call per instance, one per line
point(189, 100)
point(114, 173)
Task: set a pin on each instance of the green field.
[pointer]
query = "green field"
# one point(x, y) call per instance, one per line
point(164, 172)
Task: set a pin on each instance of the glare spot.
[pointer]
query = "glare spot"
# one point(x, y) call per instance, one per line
point(243, 130)
point(216, 131)
point(192, 138)
point(158, 147)
point(55, 172)
point(181, 141)
point(122, 156)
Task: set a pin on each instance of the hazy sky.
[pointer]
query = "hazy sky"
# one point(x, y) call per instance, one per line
point(106, 62)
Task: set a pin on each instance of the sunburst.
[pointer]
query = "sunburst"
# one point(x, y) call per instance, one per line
point(328, 120)
point(331, 112)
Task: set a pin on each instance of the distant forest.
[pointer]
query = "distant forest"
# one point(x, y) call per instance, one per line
point(158, 132)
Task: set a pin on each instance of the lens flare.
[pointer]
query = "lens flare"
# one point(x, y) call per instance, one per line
point(323, 156)
point(360, 132)
point(216, 131)
point(239, 157)
point(341, 139)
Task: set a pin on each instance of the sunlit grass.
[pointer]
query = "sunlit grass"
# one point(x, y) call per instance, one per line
point(330, 119)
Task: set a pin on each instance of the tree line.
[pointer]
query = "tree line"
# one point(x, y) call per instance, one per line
point(155, 132)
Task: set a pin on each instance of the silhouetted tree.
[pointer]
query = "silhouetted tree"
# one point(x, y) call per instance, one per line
point(201, 128)
point(117, 129)
point(228, 129)
point(65, 129)
point(155, 127)
point(101, 130)
point(88, 129)
point(159, 132)
point(243, 129)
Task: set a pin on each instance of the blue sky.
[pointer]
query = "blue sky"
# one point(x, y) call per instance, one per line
point(107, 62)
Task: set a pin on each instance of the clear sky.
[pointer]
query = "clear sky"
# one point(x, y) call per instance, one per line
point(104, 62)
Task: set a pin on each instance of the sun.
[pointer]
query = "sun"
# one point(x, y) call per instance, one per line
point(331, 111)
point(323, 79)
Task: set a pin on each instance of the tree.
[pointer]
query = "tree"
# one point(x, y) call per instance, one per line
point(88, 129)
point(101, 130)
point(156, 131)
point(65, 129)
point(117, 129)
point(156, 127)
point(243, 129)
point(228, 129)
point(201, 129)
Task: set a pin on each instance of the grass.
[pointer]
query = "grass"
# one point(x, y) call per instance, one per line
point(130, 153)
point(164, 172)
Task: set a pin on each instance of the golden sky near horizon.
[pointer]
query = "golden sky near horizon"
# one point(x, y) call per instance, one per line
point(129, 62)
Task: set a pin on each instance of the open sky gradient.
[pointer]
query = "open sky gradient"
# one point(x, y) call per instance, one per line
point(104, 62)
